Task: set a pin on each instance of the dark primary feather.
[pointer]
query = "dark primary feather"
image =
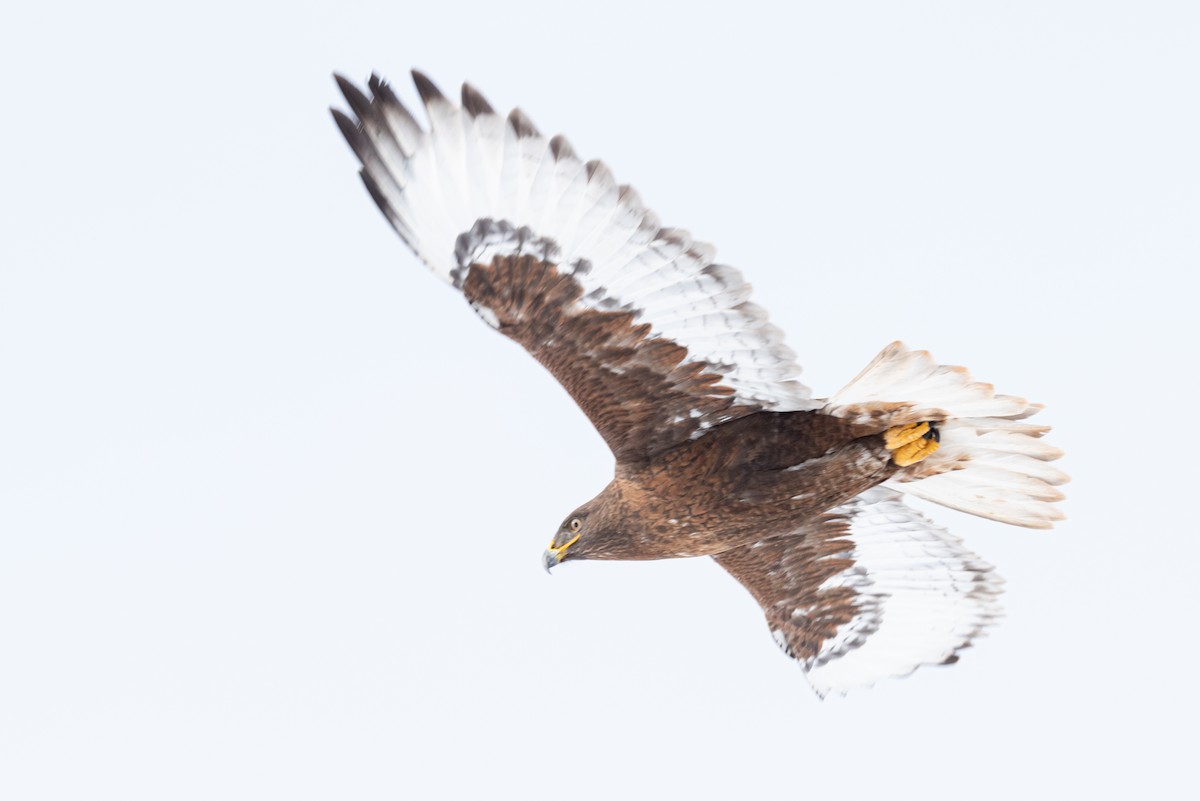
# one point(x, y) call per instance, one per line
point(427, 89)
point(393, 112)
point(474, 102)
point(522, 126)
point(561, 148)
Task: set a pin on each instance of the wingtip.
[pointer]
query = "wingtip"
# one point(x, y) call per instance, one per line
point(359, 103)
point(382, 90)
point(426, 88)
point(521, 124)
point(561, 149)
point(345, 124)
point(474, 102)
point(344, 84)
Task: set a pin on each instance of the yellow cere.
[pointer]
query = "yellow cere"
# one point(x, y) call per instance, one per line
point(560, 549)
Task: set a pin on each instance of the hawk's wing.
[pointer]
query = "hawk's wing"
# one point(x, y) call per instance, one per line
point(654, 340)
point(870, 590)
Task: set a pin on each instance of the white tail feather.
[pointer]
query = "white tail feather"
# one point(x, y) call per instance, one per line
point(989, 464)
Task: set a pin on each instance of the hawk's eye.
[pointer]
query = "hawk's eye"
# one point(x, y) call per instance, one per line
point(575, 524)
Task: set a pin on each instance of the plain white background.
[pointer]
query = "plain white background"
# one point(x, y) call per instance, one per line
point(272, 501)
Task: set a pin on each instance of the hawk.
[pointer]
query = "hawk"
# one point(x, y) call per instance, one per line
point(720, 451)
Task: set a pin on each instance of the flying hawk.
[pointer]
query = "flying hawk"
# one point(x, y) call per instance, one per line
point(720, 450)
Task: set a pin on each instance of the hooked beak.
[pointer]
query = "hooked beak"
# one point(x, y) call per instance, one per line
point(554, 555)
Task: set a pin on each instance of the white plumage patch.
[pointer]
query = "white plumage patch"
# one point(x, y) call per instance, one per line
point(990, 462)
point(477, 185)
point(923, 596)
point(487, 315)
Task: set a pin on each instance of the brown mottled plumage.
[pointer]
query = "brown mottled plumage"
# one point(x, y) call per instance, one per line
point(630, 385)
point(752, 476)
point(720, 451)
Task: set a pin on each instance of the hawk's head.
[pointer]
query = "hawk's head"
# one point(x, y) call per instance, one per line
point(593, 531)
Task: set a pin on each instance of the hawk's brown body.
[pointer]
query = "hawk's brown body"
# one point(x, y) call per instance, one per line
point(752, 475)
point(733, 487)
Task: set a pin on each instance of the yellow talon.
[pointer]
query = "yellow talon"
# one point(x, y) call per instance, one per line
point(914, 452)
point(893, 438)
point(911, 443)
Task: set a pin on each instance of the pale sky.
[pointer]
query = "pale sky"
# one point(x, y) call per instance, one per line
point(273, 500)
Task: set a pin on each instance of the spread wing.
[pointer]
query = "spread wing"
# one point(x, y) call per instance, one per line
point(654, 340)
point(871, 590)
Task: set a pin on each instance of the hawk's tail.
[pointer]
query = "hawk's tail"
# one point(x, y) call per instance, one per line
point(991, 462)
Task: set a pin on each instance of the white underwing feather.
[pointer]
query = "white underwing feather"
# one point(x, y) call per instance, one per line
point(924, 596)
